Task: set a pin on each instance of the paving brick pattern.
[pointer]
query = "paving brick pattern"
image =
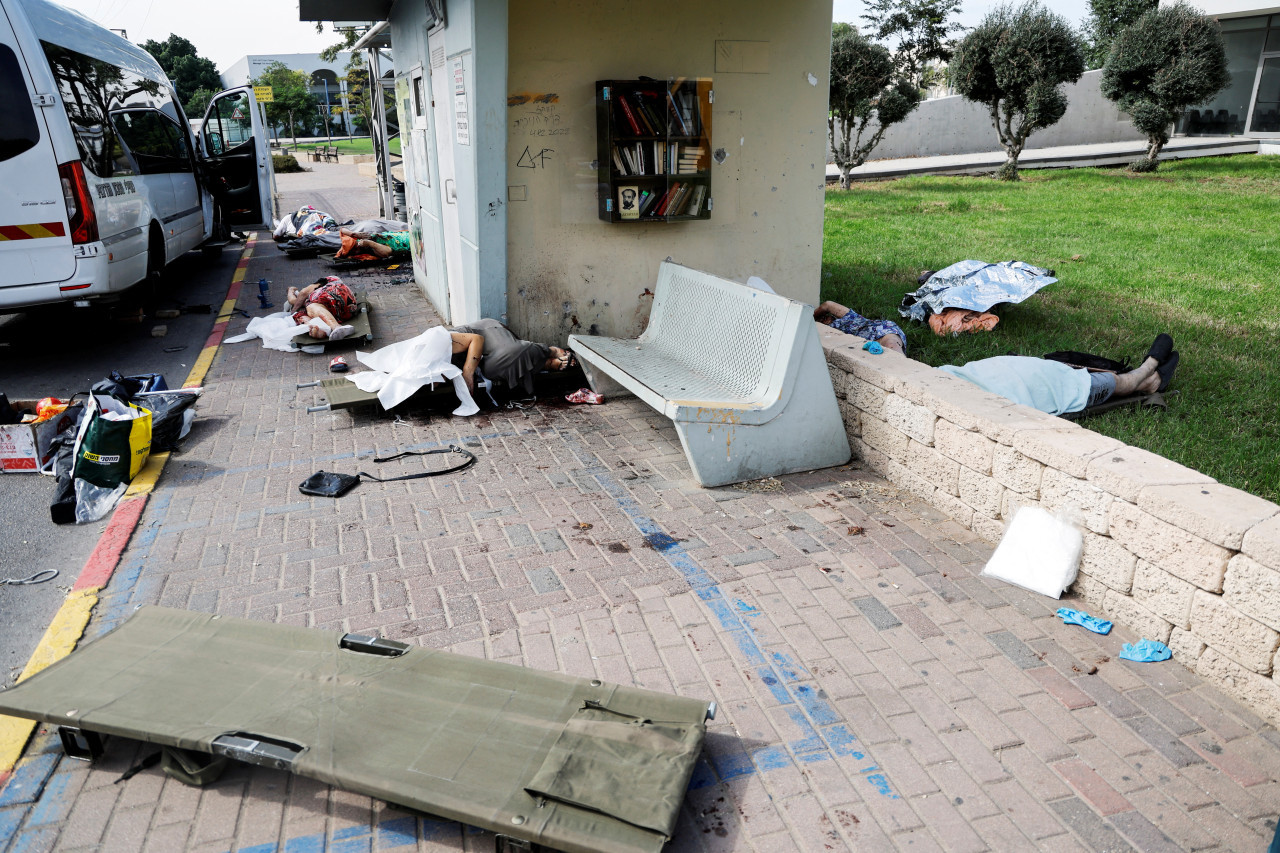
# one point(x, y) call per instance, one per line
point(874, 692)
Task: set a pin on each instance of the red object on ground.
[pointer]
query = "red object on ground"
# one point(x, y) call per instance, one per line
point(338, 365)
point(585, 395)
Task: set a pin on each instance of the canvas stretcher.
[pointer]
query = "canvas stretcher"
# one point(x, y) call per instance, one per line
point(574, 764)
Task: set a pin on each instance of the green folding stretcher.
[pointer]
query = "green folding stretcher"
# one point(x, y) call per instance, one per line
point(570, 763)
point(363, 332)
point(341, 393)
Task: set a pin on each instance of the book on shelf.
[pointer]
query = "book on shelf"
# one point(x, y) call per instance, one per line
point(649, 199)
point(695, 200)
point(668, 200)
point(629, 115)
point(642, 117)
point(619, 166)
point(679, 123)
point(628, 202)
point(656, 125)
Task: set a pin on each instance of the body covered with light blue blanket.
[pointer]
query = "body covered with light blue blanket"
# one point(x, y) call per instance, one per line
point(1049, 386)
point(974, 286)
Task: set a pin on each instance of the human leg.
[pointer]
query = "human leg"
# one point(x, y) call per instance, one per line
point(1142, 379)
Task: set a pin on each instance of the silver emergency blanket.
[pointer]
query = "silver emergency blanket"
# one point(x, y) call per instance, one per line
point(974, 286)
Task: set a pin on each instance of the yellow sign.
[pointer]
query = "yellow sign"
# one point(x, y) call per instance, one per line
point(263, 94)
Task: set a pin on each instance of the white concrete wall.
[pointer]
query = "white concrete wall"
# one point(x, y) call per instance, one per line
point(956, 126)
point(1235, 8)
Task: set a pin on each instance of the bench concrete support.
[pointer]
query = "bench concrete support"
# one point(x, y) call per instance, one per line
point(739, 371)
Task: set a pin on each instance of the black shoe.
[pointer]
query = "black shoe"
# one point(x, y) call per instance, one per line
point(1165, 370)
point(1161, 348)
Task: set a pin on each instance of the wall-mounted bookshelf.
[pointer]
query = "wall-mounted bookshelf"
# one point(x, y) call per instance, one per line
point(653, 141)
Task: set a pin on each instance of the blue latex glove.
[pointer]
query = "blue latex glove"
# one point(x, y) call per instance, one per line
point(1146, 651)
point(873, 347)
point(1079, 617)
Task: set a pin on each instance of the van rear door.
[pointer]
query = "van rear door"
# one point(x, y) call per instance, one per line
point(234, 147)
point(35, 241)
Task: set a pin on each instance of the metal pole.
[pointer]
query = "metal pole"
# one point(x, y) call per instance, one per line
point(328, 110)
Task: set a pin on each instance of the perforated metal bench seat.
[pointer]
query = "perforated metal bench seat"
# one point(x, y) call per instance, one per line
point(575, 764)
point(739, 371)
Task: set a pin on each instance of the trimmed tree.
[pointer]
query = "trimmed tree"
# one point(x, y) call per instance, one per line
point(919, 29)
point(1169, 60)
point(189, 71)
point(291, 91)
point(1014, 63)
point(1107, 18)
point(867, 97)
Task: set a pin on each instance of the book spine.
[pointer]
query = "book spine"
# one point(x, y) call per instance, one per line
point(667, 199)
point(675, 111)
point(641, 115)
point(630, 117)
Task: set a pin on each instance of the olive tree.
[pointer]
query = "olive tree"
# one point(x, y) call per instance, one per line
point(867, 97)
point(1107, 18)
point(1170, 59)
point(1014, 63)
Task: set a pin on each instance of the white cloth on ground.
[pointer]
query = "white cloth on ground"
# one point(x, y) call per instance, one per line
point(398, 370)
point(276, 331)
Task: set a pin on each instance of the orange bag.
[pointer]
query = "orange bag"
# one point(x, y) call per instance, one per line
point(953, 321)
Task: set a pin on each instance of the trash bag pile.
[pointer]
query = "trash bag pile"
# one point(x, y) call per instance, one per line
point(116, 425)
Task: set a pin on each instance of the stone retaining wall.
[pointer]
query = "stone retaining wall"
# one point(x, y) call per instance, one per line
point(1168, 552)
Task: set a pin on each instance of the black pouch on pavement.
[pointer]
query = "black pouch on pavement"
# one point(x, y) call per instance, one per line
point(324, 484)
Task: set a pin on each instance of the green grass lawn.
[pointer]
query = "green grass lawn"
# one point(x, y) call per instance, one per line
point(1193, 250)
point(361, 145)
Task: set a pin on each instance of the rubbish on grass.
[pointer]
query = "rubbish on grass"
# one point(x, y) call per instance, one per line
point(585, 395)
point(1084, 620)
point(1039, 552)
point(873, 347)
point(1146, 651)
point(974, 286)
point(955, 321)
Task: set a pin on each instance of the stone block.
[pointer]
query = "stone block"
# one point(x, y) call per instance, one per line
point(971, 449)
point(1163, 594)
point(871, 458)
point(958, 511)
point(906, 478)
point(885, 438)
point(928, 463)
point(1108, 561)
point(1253, 589)
point(1258, 692)
point(1128, 470)
point(851, 416)
point(1132, 615)
point(990, 529)
point(1015, 471)
point(969, 407)
point(839, 381)
point(1246, 641)
point(1186, 647)
point(1171, 548)
point(980, 492)
point(885, 370)
point(1211, 511)
point(1061, 491)
point(909, 418)
point(1262, 543)
point(867, 397)
point(1011, 502)
point(1068, 450)
point(1093, 591)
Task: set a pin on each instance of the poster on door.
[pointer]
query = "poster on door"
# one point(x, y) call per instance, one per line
point(461, 113)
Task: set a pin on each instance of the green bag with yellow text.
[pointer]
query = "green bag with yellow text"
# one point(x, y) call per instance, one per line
point(114, 441)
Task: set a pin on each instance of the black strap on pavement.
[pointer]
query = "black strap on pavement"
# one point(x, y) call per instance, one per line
point(453, 448)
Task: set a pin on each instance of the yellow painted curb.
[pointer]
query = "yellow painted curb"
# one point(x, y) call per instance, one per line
point(61, 637)
point(145, 481)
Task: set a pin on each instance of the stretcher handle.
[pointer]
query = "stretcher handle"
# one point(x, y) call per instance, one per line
point(323, 407)
point(308, 384)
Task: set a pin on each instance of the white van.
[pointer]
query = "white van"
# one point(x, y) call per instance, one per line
point(101, 184)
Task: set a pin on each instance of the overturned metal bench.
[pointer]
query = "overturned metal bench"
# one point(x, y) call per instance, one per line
point(575, 764)
point(740, 372)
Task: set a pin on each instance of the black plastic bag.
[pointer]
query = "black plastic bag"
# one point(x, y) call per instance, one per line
point(324, 484)
point(125, 387)
point(167, 416)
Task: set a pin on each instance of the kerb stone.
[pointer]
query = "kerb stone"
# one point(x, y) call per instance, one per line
point(1262, 543)
point(1015, 471)
point(867, 397)
point(1107, 561)
point(1061, 491)
point(1135, 617)
point(1126, 471)
point(1259, 692)
point(1211, 511)
point(1171, 548)
point(980, 492)
point(1249, 643)
point(1067, 450)
point(934, 467)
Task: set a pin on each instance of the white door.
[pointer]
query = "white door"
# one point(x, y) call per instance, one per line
point(413, 102)
point(442, 121)
point(237, 158)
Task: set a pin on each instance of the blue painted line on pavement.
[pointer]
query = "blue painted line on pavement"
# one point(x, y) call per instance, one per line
point(28, 780)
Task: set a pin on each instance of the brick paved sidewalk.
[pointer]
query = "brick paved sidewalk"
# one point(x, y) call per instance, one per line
point(874, 692)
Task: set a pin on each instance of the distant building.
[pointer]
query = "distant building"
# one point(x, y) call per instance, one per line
point(1251, 102)
point(327, 83)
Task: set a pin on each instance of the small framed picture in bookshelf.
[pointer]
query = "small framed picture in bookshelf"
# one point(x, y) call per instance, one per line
point(629, 202)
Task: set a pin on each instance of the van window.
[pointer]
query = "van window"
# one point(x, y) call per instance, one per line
point(154, 141)
point(91, 90)
point(19, 130)
point(230, 123)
